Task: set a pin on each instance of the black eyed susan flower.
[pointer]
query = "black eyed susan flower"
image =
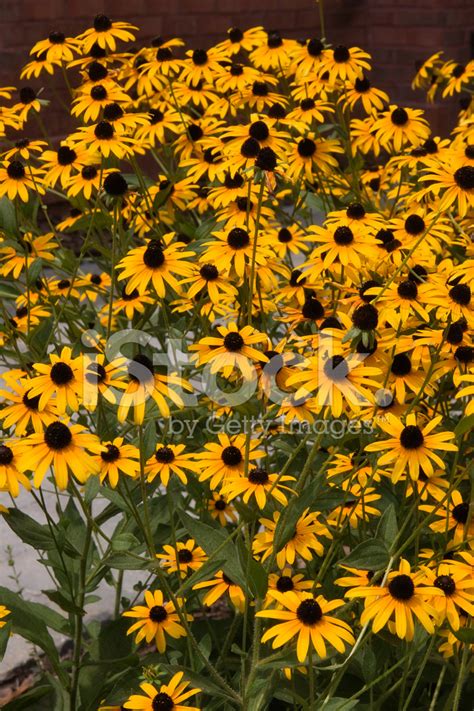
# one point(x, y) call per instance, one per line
point(39, 64)
point(410, 446)
point(117, 458)
point(90, 104)
point(157, 262)
point(234, 247)
point(454, 185)
point(401, 126)
point(170, 459)
point(304, 541)
point(238, 40)
point(64, 448)
point(208, 281)
point(61, 380)
point(306, 616)
point(57, 46)
point(220, 585)
point(339, 244)
point(182, 559)
point(362, 91)
point(458, 77)
point(24, 149)
point(10, 476)
point(20, 410)
point(156, 619)
point(286, 581)
point(310, 152)
point(226, 458)
point(403, 596)
point(105, 139)
point(131, 302)
point(344, 63)
point(273, 53)
point(105, 34)
point(221, 510)
point(259, 484)
point(202, 65)
point(86, 182)
point(144, 383)
point(17, 179)
point(356, 506)
point(453, 518)
point(169, 697)
point(456, 591)
point(233, 348)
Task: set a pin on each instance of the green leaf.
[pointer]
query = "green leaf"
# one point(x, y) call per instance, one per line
point(255, 573)
point(338, 704)
point(124, 542)
point(8, 292)
point(149, 439)
point(369, 555)
point(464, 425)
point(27, 621)
point(7, 216)
point(92, 488)
point(5, 633)
point(212, 540)
point(464, 634)
point(29, 530)
point(62, 601)
point(387, 529)
point(124, 561)
point(285, 528)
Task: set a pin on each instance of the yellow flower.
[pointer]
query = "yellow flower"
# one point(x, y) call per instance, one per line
point(156, 619)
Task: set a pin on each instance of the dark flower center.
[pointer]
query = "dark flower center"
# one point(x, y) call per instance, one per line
point(232, 182)
point(238, 238)
point(306, 148)
point(461, 512)
point(27, 95)
point(89, 172)
point(399, 117)
point(314, 47)
point(309, 612)
point(164, 455)
point(111, 453)
point(153, 255)
point(401, 365)
point(341, 54)
point(162, 702)
point(21, 312)
point(22, 143)
point(307, 104)
point(209, 272)
point(365, 317)
point(113, 112)
point(258, 476)
point(220, 505)
point(95, 373)
point(260, 88)
point(469, 152)
point(355, 211)
point(259, 130)
point(368, 350)
point(250, 148)
point(401, 587)
point(115, 184)
point(336, 368)
point(374, 184)
point(464, 354)
point(155, 116)
point(185, 555)
point(104, 131)
point(98, 93)
point(16, 170)
point(232, 456)
point(296, 278)
point(195, 132)
point(164, 54)
point(227, 580)
point(343, 236)
point(199, 57)
point(430, 146)
point(6, 455)
point(157, 613)
point(455, 334)
point(66, 155)
point(277, 111)
point(97, 71)
point(56, 37)
point(362, 85)
point(235, 34)
point(330, 322)
point(407, 289)
point(141, 368)
point(417, 273)
point(243, 204)
point(64, 284)
point(411, 437)
point(284, 584)
point(458, 71)
point(284, 235)
point(61, 373)
point(414, 225)
point(461, 294)
point(312, 308)
point(236, 70)
point(32, 403)
point(57, 436)
point(233, 341)
point(365, 287)
point(274, 39)
point(102, 23)
point(266, 159)
point(445, 583)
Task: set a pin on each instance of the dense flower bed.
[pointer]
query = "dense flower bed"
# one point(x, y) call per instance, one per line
point(238, 375)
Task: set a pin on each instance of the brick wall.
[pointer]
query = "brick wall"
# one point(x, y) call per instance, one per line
point(395, 32)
